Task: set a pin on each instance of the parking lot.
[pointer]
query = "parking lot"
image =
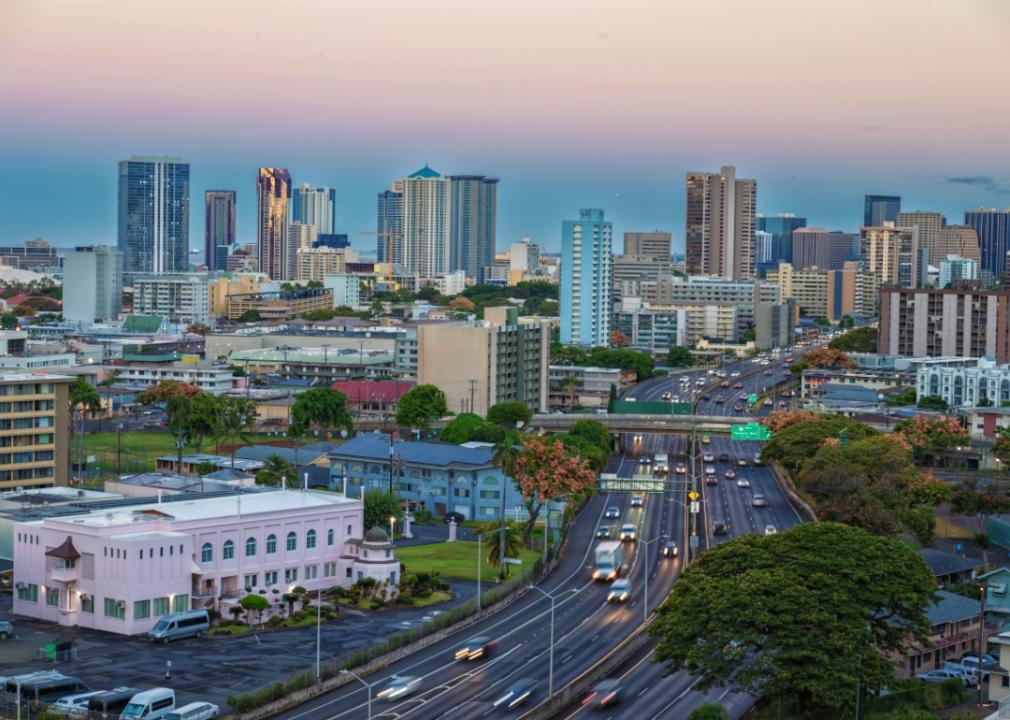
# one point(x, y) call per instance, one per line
point(208, 668)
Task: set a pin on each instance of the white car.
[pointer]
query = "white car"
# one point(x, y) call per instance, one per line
point(743, 483)
point(75, 706)
point(770, 530)
point(398, 687)
point(195, 711)
point(637, 501)
point(627, 532)
point(709, 470)
point(708, 457)
point(620, 590)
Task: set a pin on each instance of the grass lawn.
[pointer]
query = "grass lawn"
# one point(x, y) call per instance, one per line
point(456, 560)
point(436, 597)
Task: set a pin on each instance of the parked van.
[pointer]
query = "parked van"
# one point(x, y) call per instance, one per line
point(150, 704)
point(180, 625)
point(195, 711)
point(43, 687)
point(109, 703)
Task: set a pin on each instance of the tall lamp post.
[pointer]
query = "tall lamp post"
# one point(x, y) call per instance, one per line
point(645, 598)
point(550, 667)
point(368, 688)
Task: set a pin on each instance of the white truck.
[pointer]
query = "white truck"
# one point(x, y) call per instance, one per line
point(661, 463)
point(608, 560)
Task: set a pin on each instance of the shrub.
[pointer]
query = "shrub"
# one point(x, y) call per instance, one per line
point(275, 620)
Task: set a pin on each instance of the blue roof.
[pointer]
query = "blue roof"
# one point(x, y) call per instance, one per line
point(304, 455)
point(373, 446)
point(952, 608)
point(425, 172)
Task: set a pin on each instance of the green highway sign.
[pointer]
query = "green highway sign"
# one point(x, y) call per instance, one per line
point(750, 431)
point(752, 398)
point(632, 407)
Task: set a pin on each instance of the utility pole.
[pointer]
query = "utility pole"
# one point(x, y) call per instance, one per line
point(119, 429)
point(981, 638)
point(473, 386)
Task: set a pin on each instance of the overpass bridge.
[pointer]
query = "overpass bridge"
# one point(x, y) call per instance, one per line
point(623, 423)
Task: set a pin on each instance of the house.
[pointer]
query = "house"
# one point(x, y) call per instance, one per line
point(955, 620)
point(191, 463)
point(949, 568)
point(997, 598)
point(312, 454)
point(437, 477)
point(376, 397)
point(121, 569)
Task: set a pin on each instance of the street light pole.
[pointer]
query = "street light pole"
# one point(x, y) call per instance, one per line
point(645, 599)
point(319, 605)
point(368, 688)
point(550, 661)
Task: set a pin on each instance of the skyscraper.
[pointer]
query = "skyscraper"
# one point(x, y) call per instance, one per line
point(719, 233)
point(781, 228)
point(92, 284)
point(959, 240)
point(219, 227)
point(273, 191)
point(315, 206)
point(389, 228)
point(929, 225)
point(894, 256)
point(154, 214)
point(820, 248)
point(426, 222)
point(878, 209)
point(993, 228)
point(648, 244)
point(474, 219)
point(585, 279)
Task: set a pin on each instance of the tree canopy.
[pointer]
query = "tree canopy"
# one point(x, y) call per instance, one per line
point(274, 468)
point(545, 470)
point(861, 340)
point(509, 413)
point(166, 390)
point(802, 617)
point(461, 428)
point(931, 434)
point(379, 507)
point(623, 358)
point(321, 409)
point(421, 406)
point(679, 357)
point(793, 444)
point(590, 440)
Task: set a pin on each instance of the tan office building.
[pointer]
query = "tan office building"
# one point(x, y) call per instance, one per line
point(317, 263)
point(480, 364)
point(960, 240)
point(654, 244)
point(719, 231)
point(34, 430)
point(894, 255)
point(830, 294)
point(929, 225)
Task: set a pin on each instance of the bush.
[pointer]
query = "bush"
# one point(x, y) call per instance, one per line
point(275, 620)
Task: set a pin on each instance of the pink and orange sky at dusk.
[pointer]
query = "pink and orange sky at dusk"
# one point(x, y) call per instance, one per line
point(587, 103)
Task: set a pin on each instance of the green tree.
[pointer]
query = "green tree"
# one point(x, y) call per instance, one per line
point(803, 617)
point(794, 444)
point(421, 406)
point(933, 402)
point(509, 414)
point(679, 356)
point(84, 400)
point(320, 409)
point(846, 322)
point(249, 316)
point(861, 340)
point(8, 321)
point(234, 418)
point(612, 400)
point(274, 468)
point(496, 551)
point(461, 428)
point(180, 413)
point(204, 418)
point(379, 507)
point(252, 602)
point(709, 711)
point(205, 468)
point(905, 397)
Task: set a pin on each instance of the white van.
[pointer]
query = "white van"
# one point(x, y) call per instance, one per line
point(150, 704)
point(193, 623)
point(195, 711)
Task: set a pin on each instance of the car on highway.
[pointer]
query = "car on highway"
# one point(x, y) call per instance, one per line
point(738, 408)
point(735, 373)
point(399, 686)
point(730, 474)
point(606, 694)
point(723, 457)
point(620, 590)
point(710, 470)
point(768, 403)
point(757, 458)
point(770, 529)
point(645, 460)
point(705, 440)
point(475, 648)
point(742, 483)
point(637, 438)
point(768, 372)
point(724, 383)
point(758, 501)
point(720, 527)
point(681, 469)
point(708, 457)
point(742, 462)
point(738, 386)
point(706, 398)
point(670, 549)
point(719, 400)
point(666, 397)
point(612, 512)
point(517, 693)
point(637, 501)
point(603, 532)
point(628, 531)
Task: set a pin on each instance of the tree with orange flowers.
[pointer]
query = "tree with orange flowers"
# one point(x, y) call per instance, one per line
point(166, 390)
point(545, 470)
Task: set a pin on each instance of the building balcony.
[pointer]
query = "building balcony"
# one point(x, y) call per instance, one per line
point(65, 575)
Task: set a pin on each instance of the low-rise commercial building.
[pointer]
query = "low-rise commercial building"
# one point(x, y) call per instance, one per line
point(436, 477)
point(589, 387)
point(120, 570)
point(323, 364)
point(373, 397)
point(315, 263)
point(986, 384)
point(955, 622)
point(183, 298)
point(209, 377)
point(282, 305)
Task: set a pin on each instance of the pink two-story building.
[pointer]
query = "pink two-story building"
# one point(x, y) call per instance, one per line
point(123, 568)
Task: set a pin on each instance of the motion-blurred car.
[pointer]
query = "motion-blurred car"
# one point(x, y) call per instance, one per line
point(720, 528)
point(742, 483)
point(730, 474)
point(738, 408)
point(518, 693)
point(620, 590)
point(603, 532)
point(637, 501)
point(606, 694)
point(758, 501)
point(771, 530)
point(613, 512)
point(705, 440)
point(708, 457)
point(627, 531)
point(681, 469)
point(400, 686)
point(670, 549)
point(742, 462)
point(475, 648)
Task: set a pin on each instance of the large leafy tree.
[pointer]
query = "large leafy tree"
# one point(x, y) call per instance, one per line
point(204, 418)
point(235, 417)
point(379, 507)
point(166, 390)
point(320, 409)
point(421, 406)
point(590, 440)
point(679, 357)
point(792, 445)
point(461, 428)
point(545, 470)
point(825, 357)
point(509, 413)
point(862, 339)
point(802, 618)
point(84, 400)
point(180, 415)
point(931, 434)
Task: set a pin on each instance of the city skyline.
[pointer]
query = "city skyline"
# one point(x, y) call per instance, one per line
point(507, 117)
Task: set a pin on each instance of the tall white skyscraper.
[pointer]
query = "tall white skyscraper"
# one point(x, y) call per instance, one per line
point(586, 271)
point(92, 284)
point(314, 206)
point(719, 233)
point(427, 210)
point(154, 214)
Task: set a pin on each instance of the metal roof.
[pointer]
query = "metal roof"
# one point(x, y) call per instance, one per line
point(374, 446)
point(945, 563)
point(952, 608)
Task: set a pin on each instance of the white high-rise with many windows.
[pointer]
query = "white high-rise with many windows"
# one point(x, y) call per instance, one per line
point(586, 269)
point(426, 222)
point(314, 206)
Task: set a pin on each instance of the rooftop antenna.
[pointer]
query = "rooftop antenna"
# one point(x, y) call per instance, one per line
point(284, 483)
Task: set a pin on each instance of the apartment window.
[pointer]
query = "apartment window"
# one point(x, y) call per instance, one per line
point(228, 552)
point(250, 547)
point(161, 606)
point(87, 604)
point(311, 572)
point(271, 544)
point(52, 597)
point(29, 593)
point(330, 569)
point(141, 609)
point(292, 541)
point(310, 539)
point(115, 608)
point(291, 575)
point(250, 581)
point(270, 577)
point(207, 553)
point(180, 603)
point(329, 536)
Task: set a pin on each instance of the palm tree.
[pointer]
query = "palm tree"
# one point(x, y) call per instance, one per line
point(504, 455)
point(180, 415)
point(234, 418)
point(497, 552)
point(274, 469)
point(84, 400)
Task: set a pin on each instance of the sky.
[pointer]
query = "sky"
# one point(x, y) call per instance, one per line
point(570, 103)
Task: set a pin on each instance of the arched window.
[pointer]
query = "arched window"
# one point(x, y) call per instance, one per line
point(250, 547)
point(310, 539)
point(292, 541)
point(228, 553)
point(271, 544)
point(934, 385)
point(348, 531)
point(329, 536)
point(207, 553)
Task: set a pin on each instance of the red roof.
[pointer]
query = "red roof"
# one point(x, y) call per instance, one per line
point(384, 391)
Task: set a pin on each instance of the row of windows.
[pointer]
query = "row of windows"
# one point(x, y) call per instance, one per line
point(26, 423)
point(291, 544)
point(28, 538)
point(32, 389)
